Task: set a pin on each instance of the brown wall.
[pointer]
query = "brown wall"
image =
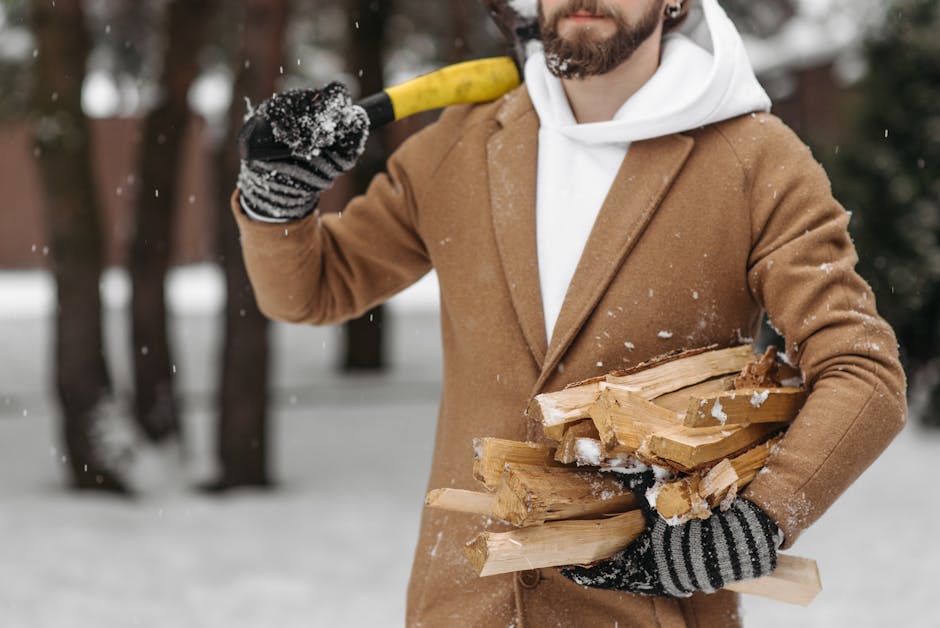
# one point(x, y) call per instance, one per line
point(114, 142)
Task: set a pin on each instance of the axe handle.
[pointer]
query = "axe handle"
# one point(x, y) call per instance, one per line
point(468, 82)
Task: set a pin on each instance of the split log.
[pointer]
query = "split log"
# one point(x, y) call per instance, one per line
point(679, 400)
point(671, 376)
point(681, 500)
point(747, 405)
point(649, 380)
point(565, 453)
point(491, 455)
point(460, 500)
point(556, 544)
point(625, 419)
point(562, 543)
point(690, 448)
point(531, 495)
point(564, 406)
point(749, 464)
point(696, 495)
point(794, 581)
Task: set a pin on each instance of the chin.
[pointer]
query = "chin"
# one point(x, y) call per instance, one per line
point(572, 32)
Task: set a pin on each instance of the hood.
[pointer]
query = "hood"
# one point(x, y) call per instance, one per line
point(704, 77)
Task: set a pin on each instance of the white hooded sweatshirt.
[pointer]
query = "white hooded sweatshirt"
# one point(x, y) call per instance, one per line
point(704, 77)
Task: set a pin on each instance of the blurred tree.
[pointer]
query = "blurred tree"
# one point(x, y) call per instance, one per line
point(14, 58)
point(889, 175)
point(243, 398)
point(62, 149)
point(185, 24)
point(364, 340)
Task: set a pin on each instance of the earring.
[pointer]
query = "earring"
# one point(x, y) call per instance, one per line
point(673, 11)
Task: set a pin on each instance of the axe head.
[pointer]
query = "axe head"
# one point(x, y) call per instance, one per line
point(518, 29)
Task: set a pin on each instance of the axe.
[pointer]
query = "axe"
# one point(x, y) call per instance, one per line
point(468, 82)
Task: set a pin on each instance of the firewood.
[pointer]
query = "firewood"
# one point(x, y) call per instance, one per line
point(748, 464)
point(689, 448)
point(565, 453)
point(564, 406)
point(748, 405)
point(577, 542)
point(582, 542)
point(530, 495)
point(794, 581)
point(695, 496)
point(491, 455)
point(681, 500)
point(763, 373)
point(626, 419)
point(460, 500)
point(648, 380)
point(678, 401)
point(671, 376)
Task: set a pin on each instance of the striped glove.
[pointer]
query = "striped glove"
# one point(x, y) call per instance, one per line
point(326, 133)
point(701, 555)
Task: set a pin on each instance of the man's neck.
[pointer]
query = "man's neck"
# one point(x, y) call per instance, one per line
point(597, 98)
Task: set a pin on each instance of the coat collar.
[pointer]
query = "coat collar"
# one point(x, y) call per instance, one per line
point(512, 162)
point(644, 179)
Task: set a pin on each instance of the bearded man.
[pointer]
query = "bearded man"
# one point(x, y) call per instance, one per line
point(632, 198)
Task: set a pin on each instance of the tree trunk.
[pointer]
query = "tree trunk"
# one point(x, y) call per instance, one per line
point(243, 402)
point(364, 340)
point(164, 130)
point(62, 147)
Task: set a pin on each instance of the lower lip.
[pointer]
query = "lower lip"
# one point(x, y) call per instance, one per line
point(585, 18)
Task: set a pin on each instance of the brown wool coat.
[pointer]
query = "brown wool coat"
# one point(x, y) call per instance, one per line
point(700, 232)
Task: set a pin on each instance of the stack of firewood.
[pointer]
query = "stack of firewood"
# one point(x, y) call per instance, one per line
point(704, 420)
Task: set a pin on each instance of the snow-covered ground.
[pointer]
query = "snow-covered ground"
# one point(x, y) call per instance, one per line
point(333, 546)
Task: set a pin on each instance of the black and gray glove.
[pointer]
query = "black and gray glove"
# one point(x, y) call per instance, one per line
point(701, 555)
point(326, 133)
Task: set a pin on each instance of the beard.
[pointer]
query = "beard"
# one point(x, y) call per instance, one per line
point(584, 54)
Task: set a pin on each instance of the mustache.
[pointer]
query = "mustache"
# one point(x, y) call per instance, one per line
point(596, 7)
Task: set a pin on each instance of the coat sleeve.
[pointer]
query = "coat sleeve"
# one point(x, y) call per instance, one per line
point(801, 269)
point(325, 269)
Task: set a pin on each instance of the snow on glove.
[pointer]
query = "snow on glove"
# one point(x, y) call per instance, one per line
point(701, 555)
point(326, 134)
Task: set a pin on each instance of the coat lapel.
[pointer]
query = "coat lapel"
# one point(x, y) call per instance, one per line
point(512, 160)
point(641, 184)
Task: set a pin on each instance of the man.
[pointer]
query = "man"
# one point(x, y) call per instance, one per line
point(631, 199)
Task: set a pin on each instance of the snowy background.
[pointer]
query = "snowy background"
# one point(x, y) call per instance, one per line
point(333, 546)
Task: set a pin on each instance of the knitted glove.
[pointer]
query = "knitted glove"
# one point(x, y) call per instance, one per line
point(326, 133)
point(701, 555)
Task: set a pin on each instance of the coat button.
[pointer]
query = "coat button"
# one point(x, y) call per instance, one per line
point(529, 578)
